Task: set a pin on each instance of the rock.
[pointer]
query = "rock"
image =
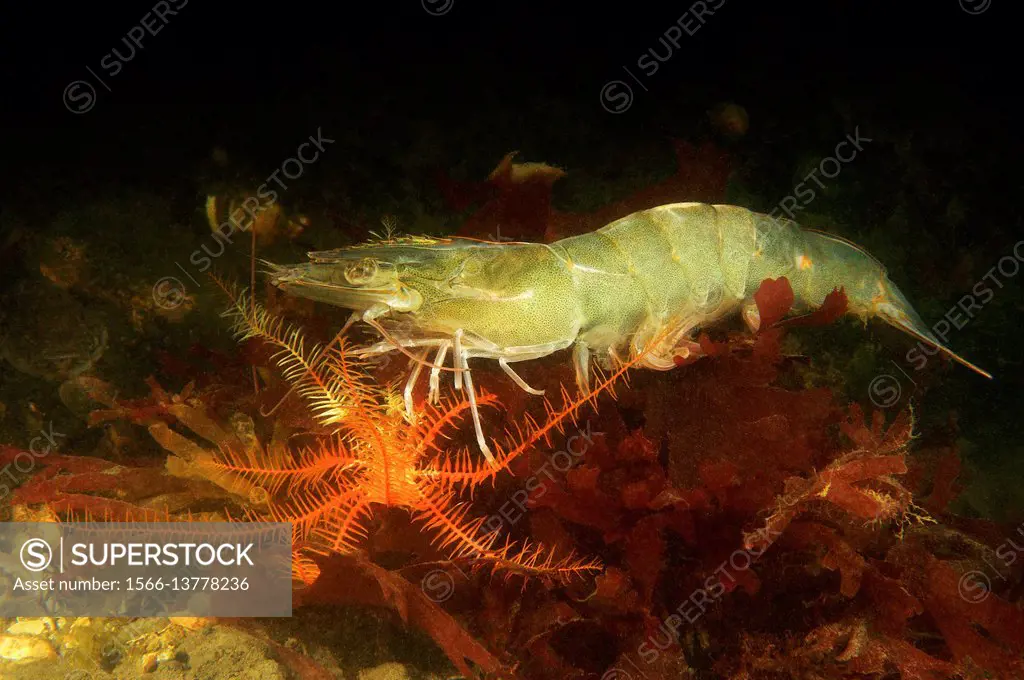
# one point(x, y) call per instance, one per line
point(220, 652)
point(23, 648)
point(386, 671)
point(47, 333)
point(34, 627)
point(149, 662)
point(192, 622)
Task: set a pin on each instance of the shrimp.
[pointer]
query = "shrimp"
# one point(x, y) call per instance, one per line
point(637, 289)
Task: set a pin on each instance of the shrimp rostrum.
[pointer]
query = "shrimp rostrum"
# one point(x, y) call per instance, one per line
point(637, 289)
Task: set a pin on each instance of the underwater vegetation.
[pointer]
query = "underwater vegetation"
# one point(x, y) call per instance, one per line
point(799, 537)
point(723, 520)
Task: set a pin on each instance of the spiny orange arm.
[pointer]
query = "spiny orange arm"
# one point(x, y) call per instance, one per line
point(309, 509)
point(272, 475)
point(367, 416)
point(273, 331)
point(435, 420)
point(304, 569)
point(342, 530)
point(364, 394)
point(540, 561)
point(454, 533)
point(458, 468)
point(462, 469)
point(556, 419)
point(527, 436)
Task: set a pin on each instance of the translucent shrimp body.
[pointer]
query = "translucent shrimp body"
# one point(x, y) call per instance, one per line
point(655, 276)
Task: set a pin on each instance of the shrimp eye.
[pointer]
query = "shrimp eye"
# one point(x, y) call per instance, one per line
point(361, 272)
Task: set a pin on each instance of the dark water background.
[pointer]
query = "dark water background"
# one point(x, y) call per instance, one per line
point(935, 195)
